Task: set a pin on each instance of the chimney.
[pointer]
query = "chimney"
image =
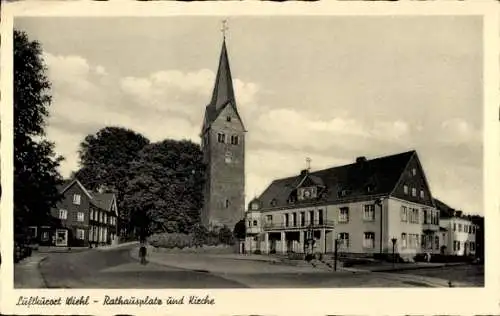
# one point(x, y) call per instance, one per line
point(361, 159)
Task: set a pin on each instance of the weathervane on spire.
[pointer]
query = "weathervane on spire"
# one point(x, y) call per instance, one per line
point(224, 28)
point(308, 163)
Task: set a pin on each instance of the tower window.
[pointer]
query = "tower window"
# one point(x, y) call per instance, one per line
point(234, 140)
point(228, 118)
point(227, 203)
point(221, 137)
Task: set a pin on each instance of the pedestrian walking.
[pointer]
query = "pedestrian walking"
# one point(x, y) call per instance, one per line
point(143, 253)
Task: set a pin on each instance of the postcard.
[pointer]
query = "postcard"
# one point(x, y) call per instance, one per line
point(250, 158)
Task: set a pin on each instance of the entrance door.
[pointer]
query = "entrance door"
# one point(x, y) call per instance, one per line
point(61, 237)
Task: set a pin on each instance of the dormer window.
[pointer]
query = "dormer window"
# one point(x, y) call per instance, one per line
point(228, 118)
point(343, 193)
point(370, 188)
point(273, 202)
point(254, 206)
point(307, 193)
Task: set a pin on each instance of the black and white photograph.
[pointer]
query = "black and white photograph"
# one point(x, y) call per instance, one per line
point(191, 152)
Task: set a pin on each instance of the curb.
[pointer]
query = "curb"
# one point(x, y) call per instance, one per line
point(38, 266)
point(415, 268)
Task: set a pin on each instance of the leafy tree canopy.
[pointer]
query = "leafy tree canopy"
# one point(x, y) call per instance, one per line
point(35, 163)
point(166, 183)
point(105, 159)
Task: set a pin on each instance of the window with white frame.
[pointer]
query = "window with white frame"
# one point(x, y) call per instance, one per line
point(45, 236)
point(91, 214)
point(405, 189)
point(63, 214)
point(343, 240)
point(422, 194)
point(76, 199)
point(369, 240)
point(80, 217)
point(80, 234)
point(414, 171)
point(91, 233)
point(413, 192)
point(404, 242)
point(404, 214)
point(459, 228)
point(344, 215)
point(234, 139)
point(369, 212)
point(454, 227)
point(221, 137)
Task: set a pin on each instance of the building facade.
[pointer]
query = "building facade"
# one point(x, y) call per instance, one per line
point(223, 146)
point(461, 231)
point(80, 219)
point(364, 206)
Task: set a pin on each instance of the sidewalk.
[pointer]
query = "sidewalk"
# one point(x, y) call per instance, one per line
point(117, 246)
point(389, 267)
point(27, 273)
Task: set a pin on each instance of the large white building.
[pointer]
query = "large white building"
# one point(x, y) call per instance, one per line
point(365, 205)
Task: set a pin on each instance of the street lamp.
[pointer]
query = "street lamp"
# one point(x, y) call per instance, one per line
point(310, 238)
point(394, 240)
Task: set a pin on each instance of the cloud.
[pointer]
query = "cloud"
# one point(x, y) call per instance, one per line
point(165, 104)
point(170, 104)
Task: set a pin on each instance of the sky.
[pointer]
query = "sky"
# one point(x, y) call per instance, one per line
point(328, 88)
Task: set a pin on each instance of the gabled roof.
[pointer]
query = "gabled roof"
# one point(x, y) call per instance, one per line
point(70, 183)
point(380, 174)
point(445, 211)
point(101, 200)
point(223, 93)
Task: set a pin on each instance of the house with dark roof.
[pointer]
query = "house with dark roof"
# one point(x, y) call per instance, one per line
point(363, 207)
point(80, 218)
point(461, 233)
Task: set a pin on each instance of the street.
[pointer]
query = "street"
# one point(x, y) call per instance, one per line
point(116, 268)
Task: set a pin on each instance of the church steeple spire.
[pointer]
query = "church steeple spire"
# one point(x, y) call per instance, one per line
point(223, 90)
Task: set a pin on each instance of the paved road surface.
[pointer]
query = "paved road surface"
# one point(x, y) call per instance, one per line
point(116, 269)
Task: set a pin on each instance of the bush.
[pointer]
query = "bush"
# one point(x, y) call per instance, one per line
point(173, 240)
point(257, 252)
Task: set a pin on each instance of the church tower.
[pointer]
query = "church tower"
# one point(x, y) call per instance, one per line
point(223, 146)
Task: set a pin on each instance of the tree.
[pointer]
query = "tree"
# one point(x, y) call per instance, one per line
point(166, 182)
point(240, 230)
point(105, 159)
point(35, 163)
